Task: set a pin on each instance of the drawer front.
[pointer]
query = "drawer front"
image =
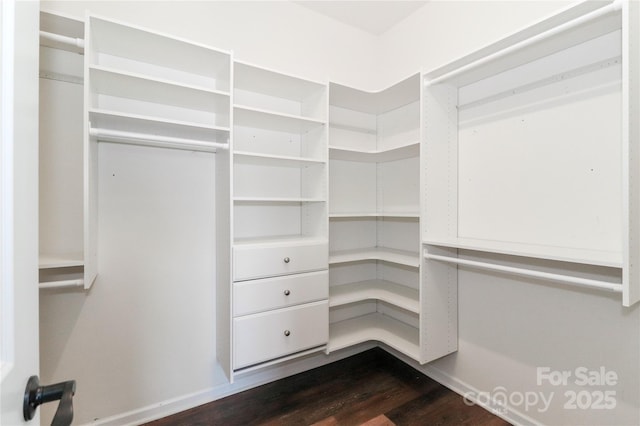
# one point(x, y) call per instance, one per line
point(269, 335)
point(263, 261)
point(254, 296)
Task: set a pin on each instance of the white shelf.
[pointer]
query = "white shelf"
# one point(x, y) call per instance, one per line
point(398, 295)
point(355, 215)
point(375, 156)
point(156, 54)
point(401, 257)
point(272, 83)
point(278, 200)
point(50, 261)
point(159, 83)
point(376, 327)
point(110, 82)
point(272, 120)
point(53, 22)
point(288, 240)
point(136, 123)
point(276, 160)
point(353, 128)
point(562, 254)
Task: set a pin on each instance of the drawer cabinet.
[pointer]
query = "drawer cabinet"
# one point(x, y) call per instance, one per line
point(268, 335)
point(255, 296)
point(259, 261)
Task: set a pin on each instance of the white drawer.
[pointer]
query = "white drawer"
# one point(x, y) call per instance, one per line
point(261, 261)
point(254, 296)
point(268, 335)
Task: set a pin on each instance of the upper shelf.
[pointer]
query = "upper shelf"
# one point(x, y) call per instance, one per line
point(268, 90)
point(574, 25)
point(134, 49)
point(394, 97)
point(272, 83)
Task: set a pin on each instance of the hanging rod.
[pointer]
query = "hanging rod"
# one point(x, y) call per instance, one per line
point(567, 279)
point(62, 42)
point(62, 284)
point(598, 13)
point(159, 141)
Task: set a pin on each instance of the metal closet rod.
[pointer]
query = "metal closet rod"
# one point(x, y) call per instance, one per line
point(73, 44)
point(144, 139)
point(598, 13)
point(567, 279)
point(62, 284)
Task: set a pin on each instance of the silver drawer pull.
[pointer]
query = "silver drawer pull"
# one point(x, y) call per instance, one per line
point(287, 292)
point(287, 333)
point(287, 260)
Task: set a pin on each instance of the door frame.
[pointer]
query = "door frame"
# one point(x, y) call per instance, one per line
point(19, 292)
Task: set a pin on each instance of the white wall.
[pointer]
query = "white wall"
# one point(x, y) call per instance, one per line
point(442, 31)
point(507, 327)
point(279, 35)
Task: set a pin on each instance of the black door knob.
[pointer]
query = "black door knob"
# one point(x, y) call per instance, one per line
point(35, 395)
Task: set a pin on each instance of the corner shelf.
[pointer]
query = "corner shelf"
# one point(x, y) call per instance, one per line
point(376, 327)
point(278, 200)
point(395, 294)
point(375, 156)
point(400, 257)
point(364, 215)
point(276, 160)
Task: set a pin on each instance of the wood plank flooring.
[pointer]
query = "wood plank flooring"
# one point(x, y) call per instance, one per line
point(372, 388)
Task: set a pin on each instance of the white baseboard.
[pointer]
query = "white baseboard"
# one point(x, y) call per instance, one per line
point(462, 388)
point(244, 382)
point(507, 413)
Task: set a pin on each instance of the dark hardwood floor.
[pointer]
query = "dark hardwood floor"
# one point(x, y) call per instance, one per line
point(372, 388)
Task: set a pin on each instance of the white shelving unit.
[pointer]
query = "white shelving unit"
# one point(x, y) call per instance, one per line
point(61, 176)
point(375, 282)
point(152, 89)
point(279, 194)
point(564, 89)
